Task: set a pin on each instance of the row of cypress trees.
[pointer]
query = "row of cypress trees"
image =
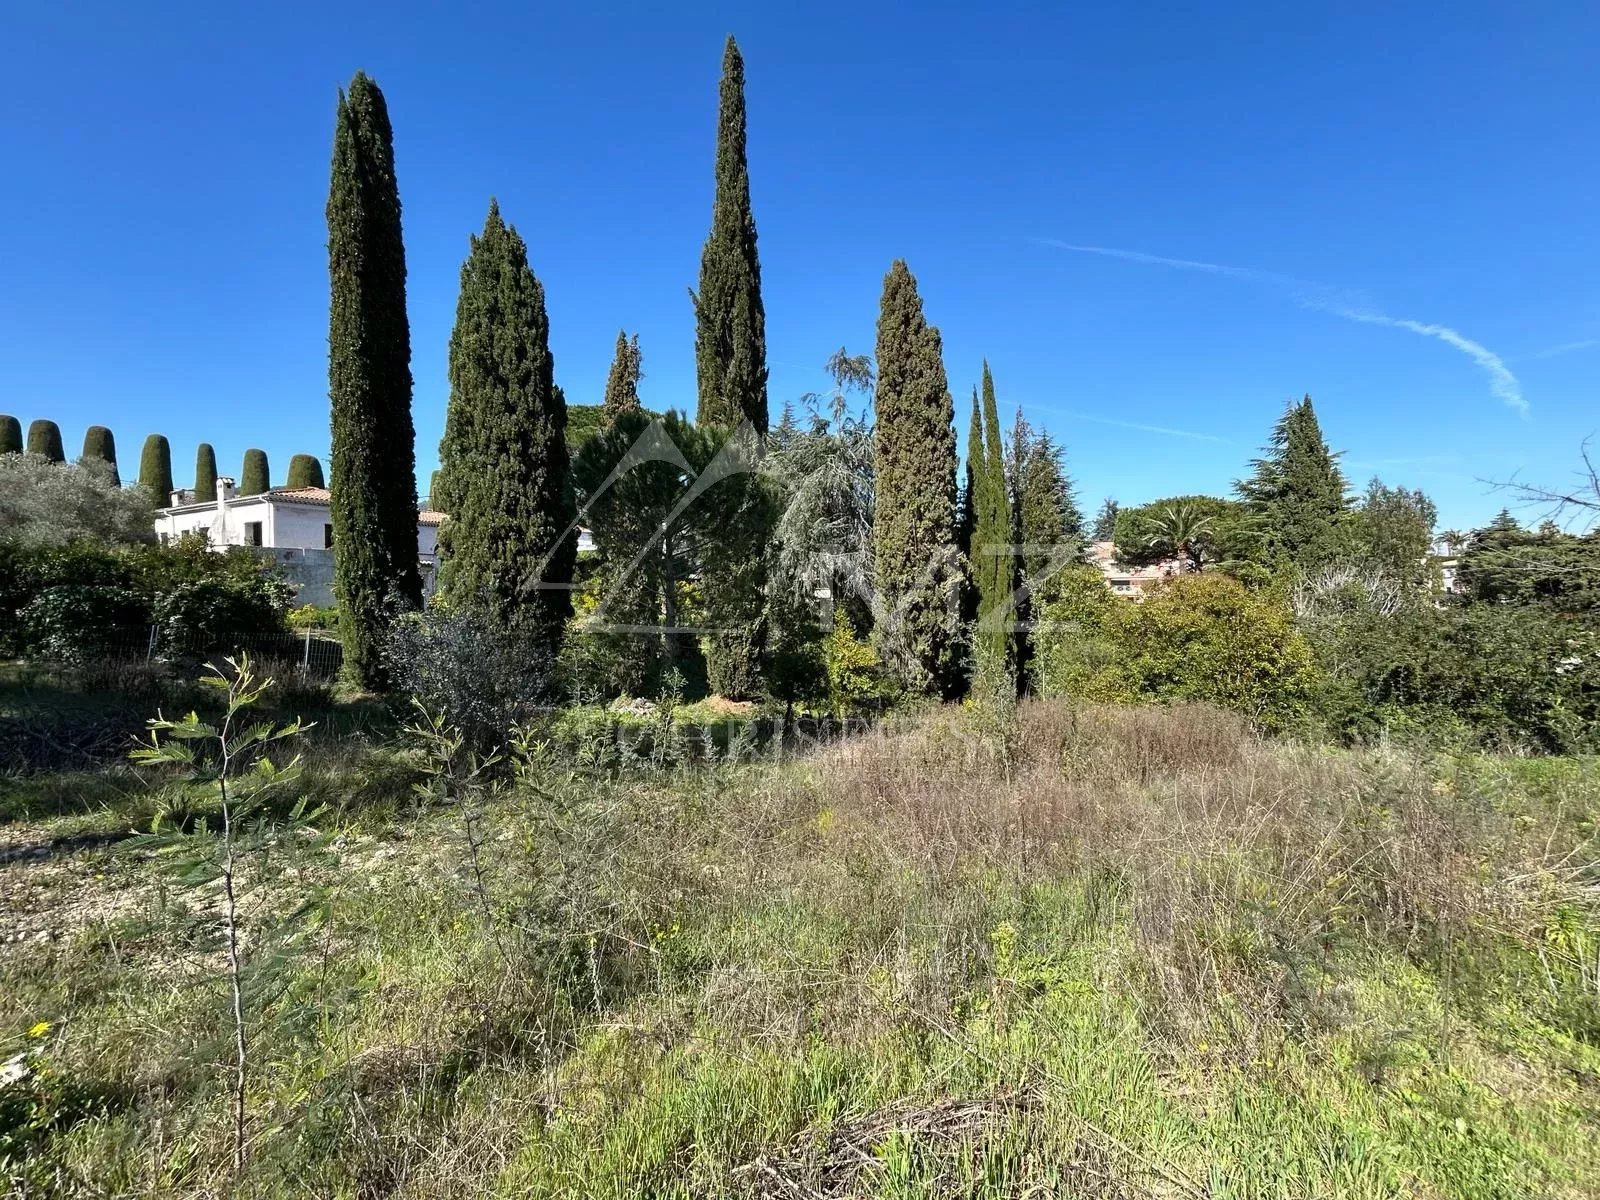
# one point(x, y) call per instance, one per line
point(155, 460)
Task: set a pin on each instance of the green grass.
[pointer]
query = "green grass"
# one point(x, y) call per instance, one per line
point(1082, 953)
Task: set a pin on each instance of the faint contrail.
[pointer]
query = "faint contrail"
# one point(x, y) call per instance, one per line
point(1317, 296)
point(1163, 429)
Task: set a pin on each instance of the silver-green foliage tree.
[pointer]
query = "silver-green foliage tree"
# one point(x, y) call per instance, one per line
point(509, 546)
point(43, 503)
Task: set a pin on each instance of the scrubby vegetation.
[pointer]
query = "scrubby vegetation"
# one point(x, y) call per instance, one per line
point(1064, 950)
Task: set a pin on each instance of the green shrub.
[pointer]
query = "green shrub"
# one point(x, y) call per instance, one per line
point(206, 614)
point(858, 682)
point(74, 623)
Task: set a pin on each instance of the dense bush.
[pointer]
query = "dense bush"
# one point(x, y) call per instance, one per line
point(203, 613)
point(481, 679)
point(77, 622)
point(1193, 638)
point(197, 594)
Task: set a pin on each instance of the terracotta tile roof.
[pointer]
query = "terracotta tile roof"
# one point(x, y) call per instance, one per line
point(321, 496)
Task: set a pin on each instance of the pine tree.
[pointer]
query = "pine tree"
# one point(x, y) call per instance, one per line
point(256, 476)
point(1298, 493)
point(917, 566)
point(305, 471)
point(508, 548)
point(155, 469)
point(10, 435)
point(100, 445)
point(730, 344)
point(622, 384)
point(374, 484)
point(44, 439)
point(1105, 521)
point(205, 474)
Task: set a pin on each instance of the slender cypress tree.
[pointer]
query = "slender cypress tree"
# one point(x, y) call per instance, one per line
point(1299, 494)
point(1047, 524)
point(967, 514)
point(622, 384)
point(916, 562)
point(507, 549)
point(730, 344)
point(155, 469)
point(205, 474)
point(256, 476)
point(100, 445)
point(305, 470)
point(44, 438)
point(994, 565)
point(10, 435)
point(374, 484)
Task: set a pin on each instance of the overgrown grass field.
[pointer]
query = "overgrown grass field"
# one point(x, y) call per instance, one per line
point(1061, 951)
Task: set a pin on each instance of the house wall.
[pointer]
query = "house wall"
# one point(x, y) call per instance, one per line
point(293, 536)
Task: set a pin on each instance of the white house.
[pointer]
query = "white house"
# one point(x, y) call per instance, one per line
point(294, 526)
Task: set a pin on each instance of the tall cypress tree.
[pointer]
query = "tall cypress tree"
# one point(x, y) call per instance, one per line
point(917, 566)
point(100, 445)
point(1299, 495)
point(44, 439)
point(205, 474)
point(305, 470)
point(10, 435)
point(155, 469)
point(622, 384)
point(730, 343)
point(374, 484)
point(506, 549)
point(993, 564)
point(967, 509)
point(1046, 522)
point(256, 476)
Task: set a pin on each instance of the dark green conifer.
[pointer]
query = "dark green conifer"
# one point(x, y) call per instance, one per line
point(509, 546)
point(994, 565)
point(155, 469)
point(730, 344)
point(10, 435)
point(1298, 494)
point(99, 445)
point(622, 384)
point(205, 474)
point(305, 470)
point(918, 576)
point(374, 485)
point(256, 477)
point(44, 438)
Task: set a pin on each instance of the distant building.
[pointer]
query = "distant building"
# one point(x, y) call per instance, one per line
point(1126, 580)
point(292, 526)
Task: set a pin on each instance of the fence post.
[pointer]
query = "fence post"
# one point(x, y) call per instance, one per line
point(150, 644)
point(305, 661)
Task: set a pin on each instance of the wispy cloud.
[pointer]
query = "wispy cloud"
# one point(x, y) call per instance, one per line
point(1502, 383)
point(1566, 348)
point(1161, 429)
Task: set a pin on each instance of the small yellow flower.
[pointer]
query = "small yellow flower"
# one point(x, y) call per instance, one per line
point(39, 1030)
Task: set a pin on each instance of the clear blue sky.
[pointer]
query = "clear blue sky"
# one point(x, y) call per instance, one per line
point(1354, 167)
